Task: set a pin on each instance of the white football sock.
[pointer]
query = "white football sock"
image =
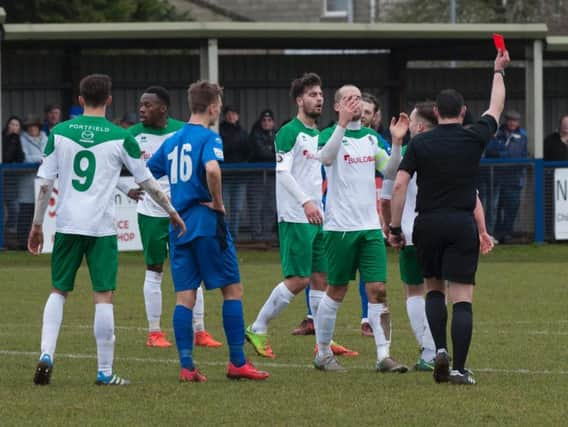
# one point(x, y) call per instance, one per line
point(153, 299)
point(104, 335)
point(428, 346)
point(415, 308)
point(326, 316)
point(380, 321)
point(52, 318)
point(199, 312)
point(276, 302)
point(315, 300)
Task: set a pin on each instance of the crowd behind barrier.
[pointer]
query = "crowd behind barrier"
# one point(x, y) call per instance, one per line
point(519, 197)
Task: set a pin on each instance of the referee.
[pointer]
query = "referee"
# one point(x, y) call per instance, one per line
point(446, 161)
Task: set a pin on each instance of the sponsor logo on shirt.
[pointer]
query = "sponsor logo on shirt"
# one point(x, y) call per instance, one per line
point(218, 153)
point(309, 156)
point(87, 136)
point(279, 157)
point(356, 160)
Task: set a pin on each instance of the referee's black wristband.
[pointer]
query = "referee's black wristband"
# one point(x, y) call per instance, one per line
point(395, 231)
point(502, 72)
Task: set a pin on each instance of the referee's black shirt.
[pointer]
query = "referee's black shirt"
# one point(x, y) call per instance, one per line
point(446, 161)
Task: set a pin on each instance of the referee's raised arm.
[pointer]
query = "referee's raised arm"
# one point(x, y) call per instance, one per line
point(497, 101)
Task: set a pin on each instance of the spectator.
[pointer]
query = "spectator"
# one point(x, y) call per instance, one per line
point(236, 148)
point(556, 144)
point(377, 124)
point(11, 153)
point(33, 143)
point(510, 142)
point(75, 111)
point(263, 198)
point(129, 119)
point(52, 117)
point(371, 118)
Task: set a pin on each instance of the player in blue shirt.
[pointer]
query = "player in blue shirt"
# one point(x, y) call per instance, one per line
point(190, 159)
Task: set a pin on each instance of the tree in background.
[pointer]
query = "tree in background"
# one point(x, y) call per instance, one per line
point(45, 11)
point(471, 11)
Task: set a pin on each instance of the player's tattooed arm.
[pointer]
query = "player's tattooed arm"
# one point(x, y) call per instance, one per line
point(45, 188)
point(152, 187)
point(35, 237)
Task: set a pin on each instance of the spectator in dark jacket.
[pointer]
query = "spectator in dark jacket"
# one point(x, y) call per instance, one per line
point(236, 149)
point(11, 153)
point(262, 196)
point(33, 145)
point(556, 144)
point(52, 117)
point(11, 144)
point(510, 142)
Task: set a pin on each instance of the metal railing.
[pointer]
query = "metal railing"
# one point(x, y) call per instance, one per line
point(517, 194)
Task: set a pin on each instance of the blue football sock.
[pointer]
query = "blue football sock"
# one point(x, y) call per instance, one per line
point(308, 300)
point(183, 330)
point(234, 325)
point(364, 300)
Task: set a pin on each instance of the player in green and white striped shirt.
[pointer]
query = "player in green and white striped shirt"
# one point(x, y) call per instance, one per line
point(154, 128)
point(299, 206)
point(86, 155)
point(353, 236)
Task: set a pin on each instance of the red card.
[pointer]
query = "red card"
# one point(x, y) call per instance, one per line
point(499, 41)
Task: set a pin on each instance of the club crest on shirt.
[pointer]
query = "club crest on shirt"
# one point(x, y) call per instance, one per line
point(279, 157)
point(218, 153)
point(87, 136)
point(345, 142)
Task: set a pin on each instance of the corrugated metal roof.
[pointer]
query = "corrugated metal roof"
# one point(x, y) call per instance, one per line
point(557, 43)
point(270, 30)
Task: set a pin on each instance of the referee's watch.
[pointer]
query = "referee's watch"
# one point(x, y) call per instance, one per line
point(395, 231)
point(502, 72)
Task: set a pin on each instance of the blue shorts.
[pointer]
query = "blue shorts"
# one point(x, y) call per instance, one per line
point(204, 259)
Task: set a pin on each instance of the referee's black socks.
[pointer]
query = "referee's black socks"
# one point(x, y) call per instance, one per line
point(462, 325)
point(437, 315)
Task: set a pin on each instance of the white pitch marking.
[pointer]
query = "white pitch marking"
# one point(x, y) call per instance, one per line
point(265, 364)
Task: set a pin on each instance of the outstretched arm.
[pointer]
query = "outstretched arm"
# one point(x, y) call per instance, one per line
point(497, 102)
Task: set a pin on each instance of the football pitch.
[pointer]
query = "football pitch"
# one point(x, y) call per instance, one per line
point(519, 354)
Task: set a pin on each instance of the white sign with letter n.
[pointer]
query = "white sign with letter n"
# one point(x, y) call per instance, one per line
point(561, 204)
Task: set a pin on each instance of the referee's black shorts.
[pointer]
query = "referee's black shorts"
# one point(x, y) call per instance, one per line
point(447, 245)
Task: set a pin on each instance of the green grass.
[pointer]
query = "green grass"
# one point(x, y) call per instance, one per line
point(519, 354)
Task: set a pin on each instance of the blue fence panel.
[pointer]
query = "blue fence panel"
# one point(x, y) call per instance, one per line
point(16, 209)
point(517, 195)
